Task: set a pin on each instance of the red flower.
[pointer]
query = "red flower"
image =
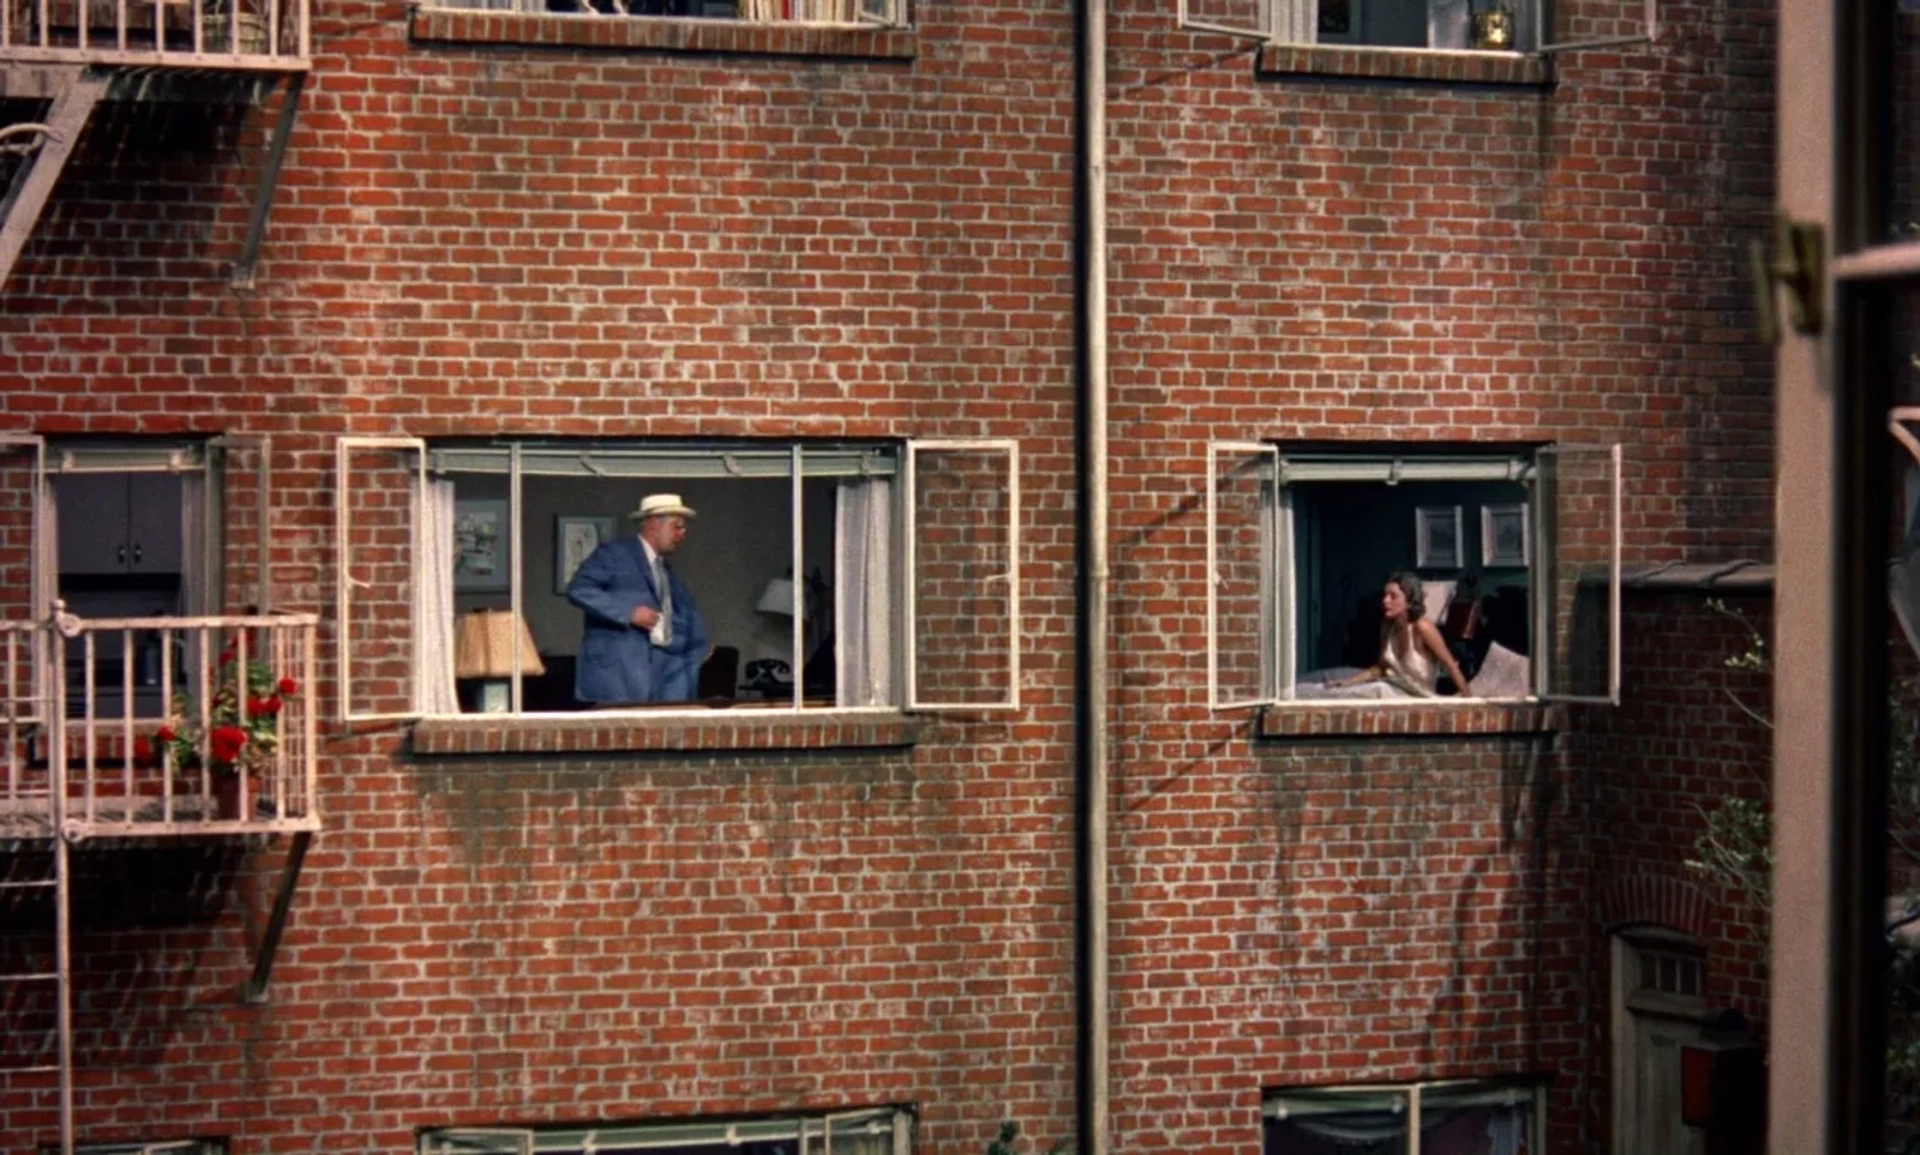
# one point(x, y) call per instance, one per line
point(288, 686)
point(166, 734)
point(225, 743)
point(262, 707)
point(227, 655)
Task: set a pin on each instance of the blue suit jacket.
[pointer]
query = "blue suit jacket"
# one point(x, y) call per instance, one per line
point(619, 664)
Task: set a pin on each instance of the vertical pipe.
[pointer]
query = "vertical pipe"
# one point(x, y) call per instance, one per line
point(62, 928)
point(1092, 1027)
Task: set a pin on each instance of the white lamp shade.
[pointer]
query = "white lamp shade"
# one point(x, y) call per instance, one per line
point(483, 646)
point(777, 598)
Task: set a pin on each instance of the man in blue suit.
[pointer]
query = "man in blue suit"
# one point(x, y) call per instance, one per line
point(644, 639)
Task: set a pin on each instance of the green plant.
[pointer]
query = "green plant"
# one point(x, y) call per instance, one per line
point(1006, 1141)
point(240, 728)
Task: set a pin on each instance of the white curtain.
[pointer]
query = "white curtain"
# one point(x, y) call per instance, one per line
point(1295, 20)
point(863, 564)
point(433, 690)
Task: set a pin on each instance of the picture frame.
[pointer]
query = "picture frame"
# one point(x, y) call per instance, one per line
point(574, 540)
point(480, 542)
point(1506, 536)
point(1437, 537)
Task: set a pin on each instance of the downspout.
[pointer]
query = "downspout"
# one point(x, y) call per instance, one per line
point(1091, 1026)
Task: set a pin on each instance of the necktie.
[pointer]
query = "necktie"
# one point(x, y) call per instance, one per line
point(665, 588)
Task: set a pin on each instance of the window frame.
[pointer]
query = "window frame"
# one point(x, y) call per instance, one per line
point(901, 656)
point(1273, 15)
point(1534, 1088)
point(574, 1139)
point(136, 1147)
point(1279, 676)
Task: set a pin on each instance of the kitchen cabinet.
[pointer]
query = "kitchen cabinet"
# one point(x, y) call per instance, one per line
point(119, 523)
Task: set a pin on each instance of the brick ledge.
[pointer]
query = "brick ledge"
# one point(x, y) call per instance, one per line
point(567, 30)
point(716, 730)
point(1425, 67)
point(1372, 721)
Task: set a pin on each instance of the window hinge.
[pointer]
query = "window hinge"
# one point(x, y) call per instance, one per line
point(1795, 257)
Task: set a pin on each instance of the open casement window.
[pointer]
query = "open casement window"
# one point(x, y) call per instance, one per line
point(1246, 586)
point(1532, 26)
point(379, 489)
point(25, 576)
point(880, 1131)
point(1576, 510)
point(238, 537)
point(963, 622)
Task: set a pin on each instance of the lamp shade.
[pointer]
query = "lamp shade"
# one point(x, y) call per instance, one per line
point(483, 646)
point(777, 598)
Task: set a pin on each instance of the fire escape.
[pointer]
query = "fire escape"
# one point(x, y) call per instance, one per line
point(117, 735)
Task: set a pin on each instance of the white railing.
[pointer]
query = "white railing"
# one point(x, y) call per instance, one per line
point(826, 13)
point(238, 34)
point(155, 726)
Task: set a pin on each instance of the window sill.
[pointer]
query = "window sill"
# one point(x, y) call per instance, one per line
point(568, 30)
point(629, 732)
point(1416, 719)
point(1512, 69)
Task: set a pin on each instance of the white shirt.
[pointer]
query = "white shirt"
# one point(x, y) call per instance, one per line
point(662, 631)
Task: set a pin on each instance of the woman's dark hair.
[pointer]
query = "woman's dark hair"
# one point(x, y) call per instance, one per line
point(1416, 594)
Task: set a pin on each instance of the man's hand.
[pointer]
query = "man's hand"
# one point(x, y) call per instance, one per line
point(645, 617)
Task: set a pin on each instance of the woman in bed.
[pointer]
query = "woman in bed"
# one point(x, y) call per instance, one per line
point(1413, 654)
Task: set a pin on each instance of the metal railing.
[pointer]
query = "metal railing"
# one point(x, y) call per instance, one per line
point(821, 13)
point(274, 35)
point(158, 726)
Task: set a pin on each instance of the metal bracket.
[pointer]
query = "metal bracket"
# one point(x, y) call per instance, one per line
point(255, 989)
point(1797, 259)
point(242, 275)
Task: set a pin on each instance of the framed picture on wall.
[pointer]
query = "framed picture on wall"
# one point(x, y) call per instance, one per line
point(479, 545)
point(1504, 537)
point(574, 540)
point(1436, 537)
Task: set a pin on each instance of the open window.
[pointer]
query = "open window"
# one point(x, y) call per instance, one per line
point(152, 1147)
point(126, 529)
point(1516, 555)
point(876, 1131)
point(811, 576)
point(1504, 26)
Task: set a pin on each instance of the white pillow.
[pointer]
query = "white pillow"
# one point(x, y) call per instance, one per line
point(1504, 674)
point(1437, 594)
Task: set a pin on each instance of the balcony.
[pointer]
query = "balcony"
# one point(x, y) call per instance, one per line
point(232, 35)
point(157, 726)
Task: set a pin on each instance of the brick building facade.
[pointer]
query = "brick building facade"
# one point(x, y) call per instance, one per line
point(536, 229)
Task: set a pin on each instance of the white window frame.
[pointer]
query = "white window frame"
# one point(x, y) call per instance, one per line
point(429, 457)
point(813, 1132)
point(1325, 464)
point(344, 449)
point(1492, 1092)
point(1292, 22)
point(1541, 510)
point(1012, 575)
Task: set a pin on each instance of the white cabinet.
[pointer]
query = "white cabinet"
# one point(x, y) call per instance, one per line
point(119, 523)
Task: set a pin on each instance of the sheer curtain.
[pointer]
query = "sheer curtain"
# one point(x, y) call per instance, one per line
point(433, 690)
point(863, 565)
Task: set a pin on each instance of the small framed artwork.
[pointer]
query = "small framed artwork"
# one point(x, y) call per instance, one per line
point(1505, 539)
point(574, 540)
point(480, 544)
point(1436, 537)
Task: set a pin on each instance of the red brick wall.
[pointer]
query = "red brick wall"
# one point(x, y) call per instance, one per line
point(481, 240)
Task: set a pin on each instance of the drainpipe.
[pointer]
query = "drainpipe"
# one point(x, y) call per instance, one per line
point(1091, 1026)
